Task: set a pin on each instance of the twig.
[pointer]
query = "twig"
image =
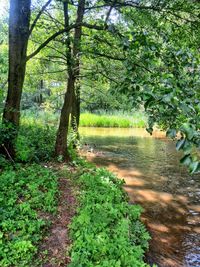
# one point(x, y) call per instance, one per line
point(8, 153)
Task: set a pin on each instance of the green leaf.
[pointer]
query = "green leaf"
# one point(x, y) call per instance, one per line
point(194, 167)
point(188, 130)
point(171, 133)
point(186, 160)
point(187, 148)
point(180, 144)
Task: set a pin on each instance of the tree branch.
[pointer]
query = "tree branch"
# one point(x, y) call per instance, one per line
point(109, 11)
point(94, 26)
point(50, 60)
point(107, 56)
point(38, 16)
point(57, 22)
point(96, 7)
point(45, 43)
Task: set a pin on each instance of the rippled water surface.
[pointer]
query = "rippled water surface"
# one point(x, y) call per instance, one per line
point(155, 179)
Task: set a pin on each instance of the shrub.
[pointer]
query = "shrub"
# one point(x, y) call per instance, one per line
point(35, 143)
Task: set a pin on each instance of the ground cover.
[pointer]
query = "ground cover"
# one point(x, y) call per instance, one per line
point(107, 231)
point(26, 192)
point(38, 205)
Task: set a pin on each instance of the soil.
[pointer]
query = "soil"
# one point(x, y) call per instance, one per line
point(54, 248)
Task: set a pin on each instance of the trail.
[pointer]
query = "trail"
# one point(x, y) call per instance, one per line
point(57, 243)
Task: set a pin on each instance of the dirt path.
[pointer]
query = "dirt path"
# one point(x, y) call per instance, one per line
point(57, 243)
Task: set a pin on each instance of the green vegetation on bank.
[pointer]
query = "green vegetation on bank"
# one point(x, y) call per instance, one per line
point(107, 231)
point(26, 192)
point(135, 120)
point(35, 142)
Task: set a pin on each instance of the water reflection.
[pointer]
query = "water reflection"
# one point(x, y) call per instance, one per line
point(155, 179)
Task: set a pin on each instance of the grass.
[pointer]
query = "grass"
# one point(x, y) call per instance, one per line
point(136, 120)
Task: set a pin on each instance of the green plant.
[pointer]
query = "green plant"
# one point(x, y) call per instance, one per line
point(107, 230)
point(26, 191)
point(135, 120)
point(35, 142)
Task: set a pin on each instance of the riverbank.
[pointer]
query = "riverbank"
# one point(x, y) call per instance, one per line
point(136, 119)
point(157, 181)
point(96, 225)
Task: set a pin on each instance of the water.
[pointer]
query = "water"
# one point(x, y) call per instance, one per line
point(156, 180)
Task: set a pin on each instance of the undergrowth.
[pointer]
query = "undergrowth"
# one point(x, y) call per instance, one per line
point(107, 231)
point(35, 142)
point(26, 192)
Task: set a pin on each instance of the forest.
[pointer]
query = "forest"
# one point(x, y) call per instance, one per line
point(99, 133)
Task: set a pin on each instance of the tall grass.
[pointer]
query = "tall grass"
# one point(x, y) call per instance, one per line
point(135, 120)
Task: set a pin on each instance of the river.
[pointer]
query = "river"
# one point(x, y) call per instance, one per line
point(156, 180)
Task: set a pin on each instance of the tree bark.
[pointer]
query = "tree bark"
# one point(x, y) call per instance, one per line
point(75, 115)
point(19, 22)
point(73, 72)
point(61, 138)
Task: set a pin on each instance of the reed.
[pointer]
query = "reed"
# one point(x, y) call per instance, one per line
point(135, 120)
point(118, 119)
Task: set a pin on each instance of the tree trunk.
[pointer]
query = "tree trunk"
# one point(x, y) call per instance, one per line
point(19, 22)
point(73, 72)
point(61, 139)
point(76, 53)
point(41, 92)
point(75, 114)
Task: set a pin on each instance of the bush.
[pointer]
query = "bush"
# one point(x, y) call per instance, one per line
point(36, 140)
point(35, 143)
point(107, 231)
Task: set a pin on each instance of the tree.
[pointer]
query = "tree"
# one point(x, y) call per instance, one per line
point(73, 73)
point(19, 33)
point(3, 57)
point(19, 22)
point(167, 80)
